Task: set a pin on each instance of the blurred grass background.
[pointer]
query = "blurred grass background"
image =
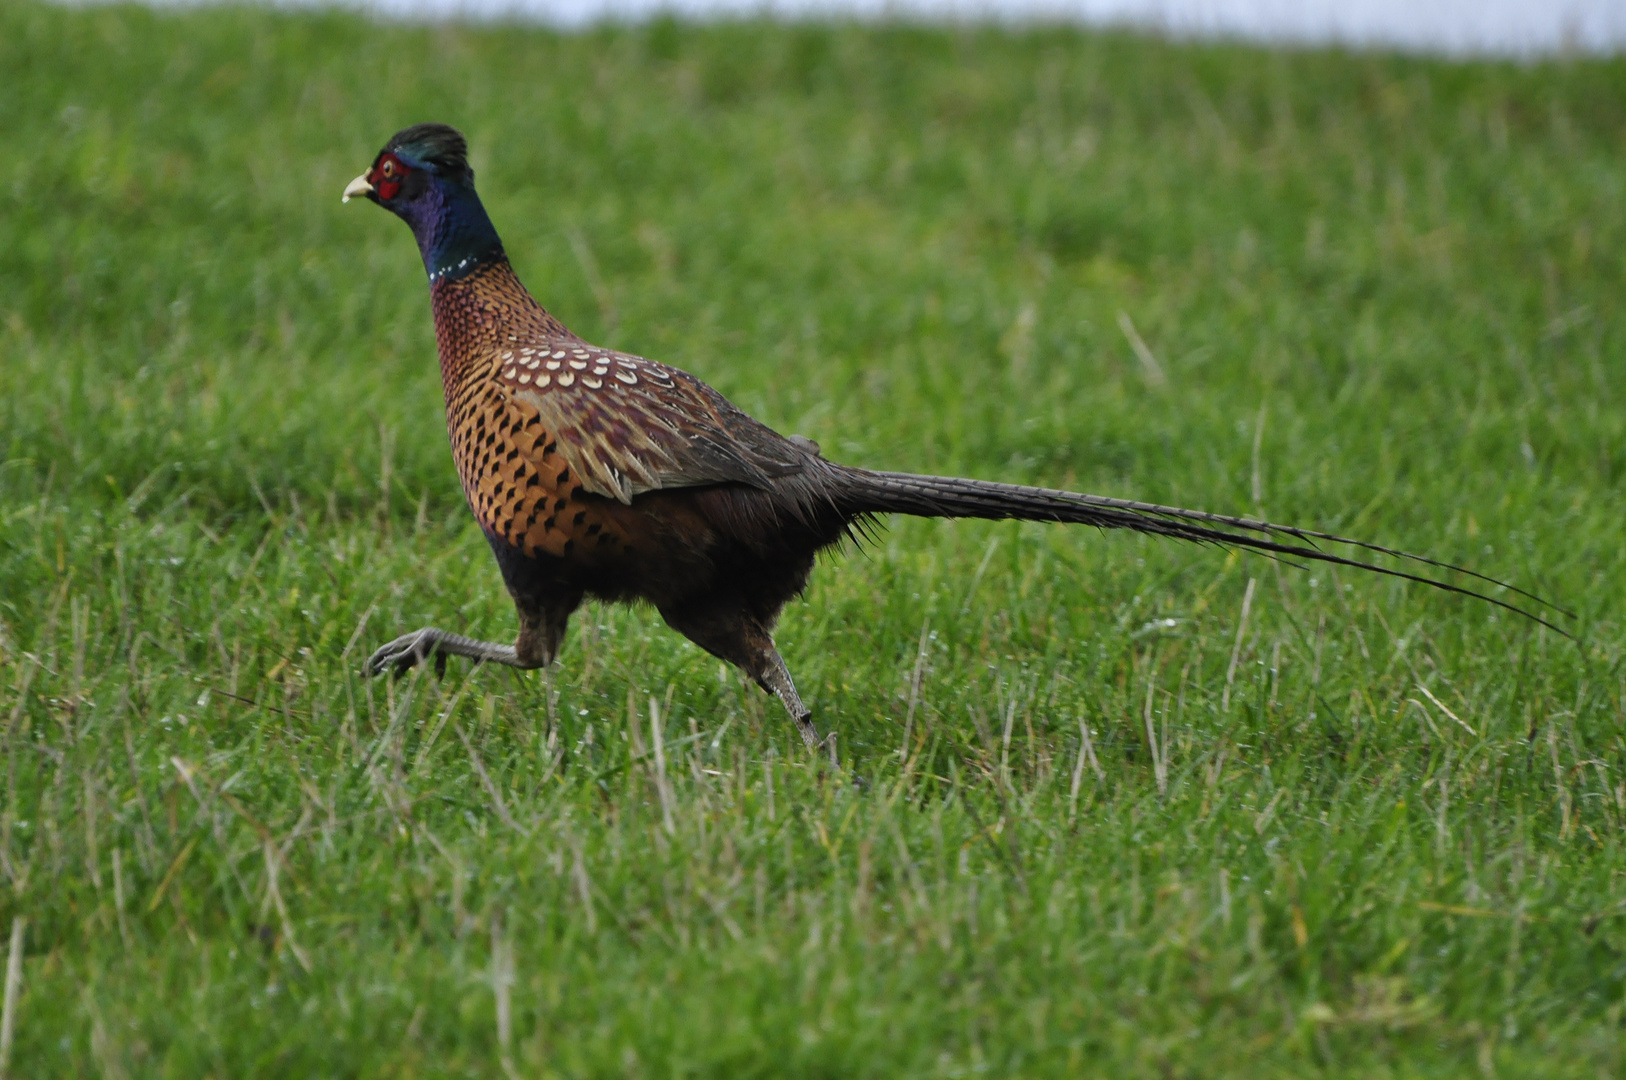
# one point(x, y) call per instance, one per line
point(1349, 828)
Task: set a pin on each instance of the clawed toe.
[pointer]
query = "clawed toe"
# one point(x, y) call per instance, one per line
point(405, 653)
point(828, 744)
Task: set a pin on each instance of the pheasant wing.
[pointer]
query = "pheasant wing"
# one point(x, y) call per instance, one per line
point(626, 425)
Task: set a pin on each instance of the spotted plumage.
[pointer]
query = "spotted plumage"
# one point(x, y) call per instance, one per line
point(598, 473)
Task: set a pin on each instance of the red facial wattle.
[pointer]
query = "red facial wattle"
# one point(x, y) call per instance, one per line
point(386, 176)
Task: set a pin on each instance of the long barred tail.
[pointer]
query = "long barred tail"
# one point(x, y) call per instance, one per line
point(867, 492)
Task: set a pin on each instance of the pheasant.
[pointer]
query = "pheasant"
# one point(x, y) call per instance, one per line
point(594, 472)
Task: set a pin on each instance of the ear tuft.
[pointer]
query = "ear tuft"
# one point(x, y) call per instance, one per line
point(437, 145)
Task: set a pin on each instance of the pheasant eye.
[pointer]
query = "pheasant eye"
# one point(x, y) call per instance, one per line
point(388, 178)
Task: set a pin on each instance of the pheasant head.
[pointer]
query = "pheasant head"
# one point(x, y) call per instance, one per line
point(423, 177)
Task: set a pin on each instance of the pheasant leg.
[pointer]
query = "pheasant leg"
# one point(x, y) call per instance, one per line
point(734, 635)
point(541, 635)
point(775, 678)
point(410, 650)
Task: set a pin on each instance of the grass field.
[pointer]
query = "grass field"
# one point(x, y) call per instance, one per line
point(1323, 824)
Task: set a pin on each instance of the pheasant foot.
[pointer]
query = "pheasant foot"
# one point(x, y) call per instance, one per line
point(409, 650)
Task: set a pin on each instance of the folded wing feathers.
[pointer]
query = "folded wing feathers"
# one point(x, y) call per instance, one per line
point(643, 440)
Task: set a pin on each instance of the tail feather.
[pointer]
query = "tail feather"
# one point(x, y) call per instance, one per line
point(869, 492)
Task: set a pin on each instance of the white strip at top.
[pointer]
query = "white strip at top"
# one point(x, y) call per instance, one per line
point(1515, 28)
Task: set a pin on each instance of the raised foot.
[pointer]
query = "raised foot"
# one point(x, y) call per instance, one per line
point(408, 651)
point(411, 649)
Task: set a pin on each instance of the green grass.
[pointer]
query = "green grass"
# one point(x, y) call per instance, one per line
point(1369, 830)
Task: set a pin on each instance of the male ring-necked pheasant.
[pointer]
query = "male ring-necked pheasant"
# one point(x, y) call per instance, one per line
point(597, 473)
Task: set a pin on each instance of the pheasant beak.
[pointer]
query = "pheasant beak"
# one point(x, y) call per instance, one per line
point(356, 187)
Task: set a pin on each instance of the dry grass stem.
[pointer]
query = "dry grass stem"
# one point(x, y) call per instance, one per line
point(502, 983)
point(663, 784)
point(486, 782)
point(14, 987)
point(1151, 370)
point(1236, 649)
